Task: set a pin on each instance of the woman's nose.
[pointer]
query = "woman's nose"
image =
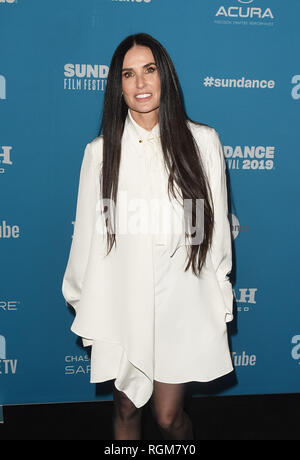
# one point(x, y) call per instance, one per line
point(140, 81)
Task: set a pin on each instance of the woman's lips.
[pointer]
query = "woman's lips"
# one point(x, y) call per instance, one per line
point(143, 97)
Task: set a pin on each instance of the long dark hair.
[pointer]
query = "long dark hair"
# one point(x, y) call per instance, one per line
point(181, 153)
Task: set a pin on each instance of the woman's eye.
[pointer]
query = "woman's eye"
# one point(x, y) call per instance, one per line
point(129, 74)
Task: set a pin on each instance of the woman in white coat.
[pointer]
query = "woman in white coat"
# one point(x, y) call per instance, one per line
point(149, 283)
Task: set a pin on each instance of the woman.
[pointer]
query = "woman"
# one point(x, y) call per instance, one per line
point(152, 304)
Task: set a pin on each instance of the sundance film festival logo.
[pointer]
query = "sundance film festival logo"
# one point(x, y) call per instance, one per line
point(7, 366)
point(85, 77)
point(244, 12)
point(5, 157)
point(248, 157)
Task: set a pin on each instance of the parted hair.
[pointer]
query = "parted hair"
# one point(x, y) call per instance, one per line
point(180, 150)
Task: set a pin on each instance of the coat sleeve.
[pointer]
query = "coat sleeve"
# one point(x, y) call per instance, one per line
point(221, 249)
point(83, 230)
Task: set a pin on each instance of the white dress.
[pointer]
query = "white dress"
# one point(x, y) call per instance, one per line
point(146, 318)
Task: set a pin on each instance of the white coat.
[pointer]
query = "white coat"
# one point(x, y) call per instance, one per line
point(114, 297)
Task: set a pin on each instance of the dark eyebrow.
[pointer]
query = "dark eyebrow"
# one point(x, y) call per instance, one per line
point(144, 66)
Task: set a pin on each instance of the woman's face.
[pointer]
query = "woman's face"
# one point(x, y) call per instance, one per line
point(140, 80)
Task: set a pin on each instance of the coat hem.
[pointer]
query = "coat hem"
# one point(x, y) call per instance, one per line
point(125, 367)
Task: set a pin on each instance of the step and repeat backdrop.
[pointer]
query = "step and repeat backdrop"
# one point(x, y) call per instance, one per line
point(238, 63)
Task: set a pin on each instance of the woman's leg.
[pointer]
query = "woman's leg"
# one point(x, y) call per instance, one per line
point(167, 408)
point(126, 417)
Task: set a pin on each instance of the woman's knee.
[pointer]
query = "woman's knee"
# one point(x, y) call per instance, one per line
point(167, 404)
point(169, 418)
point(124, 407)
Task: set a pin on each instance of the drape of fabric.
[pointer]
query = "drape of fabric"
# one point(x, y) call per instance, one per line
point(115, 297)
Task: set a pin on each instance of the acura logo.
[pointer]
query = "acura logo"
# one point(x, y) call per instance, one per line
point(245, 11)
